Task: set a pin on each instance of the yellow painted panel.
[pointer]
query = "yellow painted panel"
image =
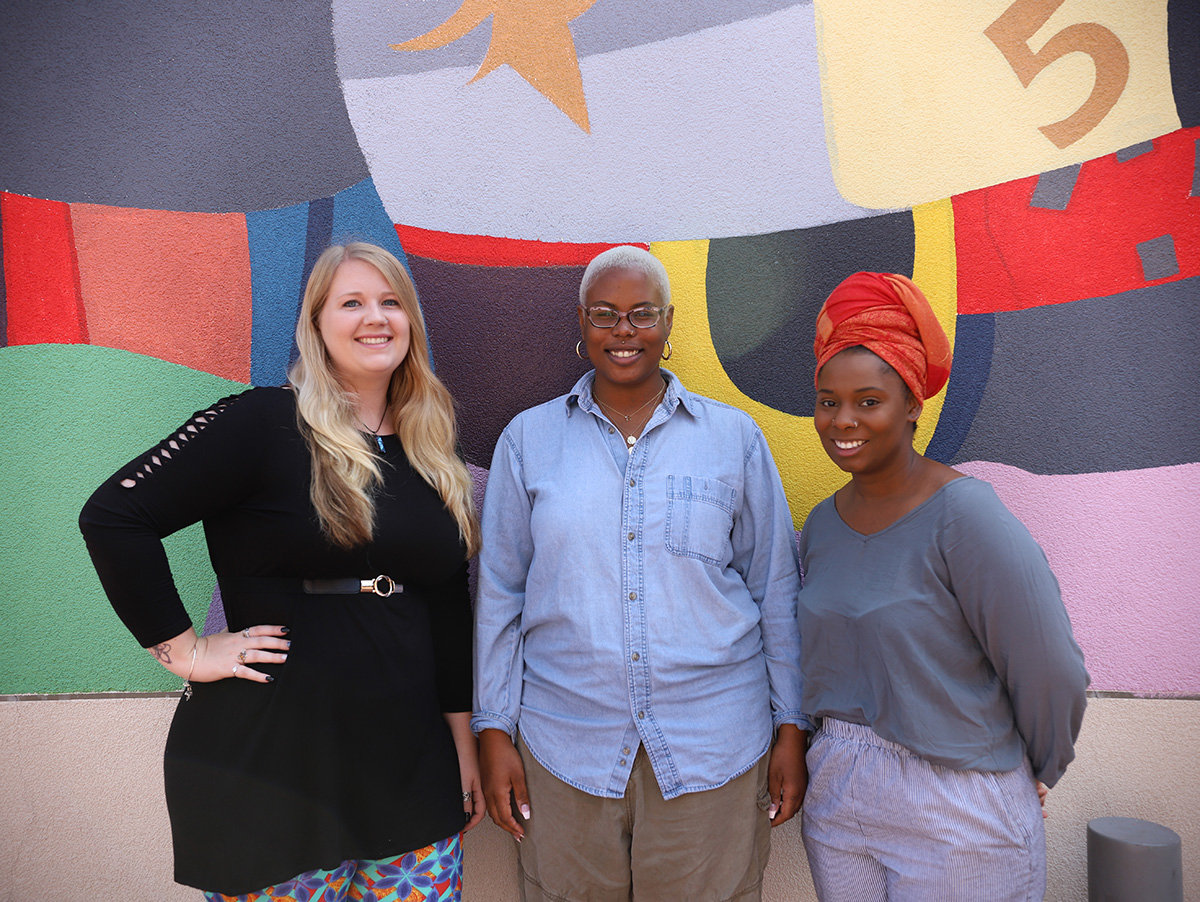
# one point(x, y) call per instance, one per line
point(921, 104)
point(807, 472)
point(935, 271)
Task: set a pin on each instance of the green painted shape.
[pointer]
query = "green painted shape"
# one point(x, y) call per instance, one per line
point(70, 415)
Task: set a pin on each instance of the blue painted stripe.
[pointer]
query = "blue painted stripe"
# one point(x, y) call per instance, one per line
point(974, 339)
point(358, 215)
point(277, 247)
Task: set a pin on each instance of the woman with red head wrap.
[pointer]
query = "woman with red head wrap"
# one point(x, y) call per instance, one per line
point(890, 316)
point(937, 654)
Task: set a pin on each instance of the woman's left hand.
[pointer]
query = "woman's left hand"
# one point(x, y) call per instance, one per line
point(474, 806)
point(787, 773)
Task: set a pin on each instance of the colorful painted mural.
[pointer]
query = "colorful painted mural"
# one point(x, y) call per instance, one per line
point(170, 174)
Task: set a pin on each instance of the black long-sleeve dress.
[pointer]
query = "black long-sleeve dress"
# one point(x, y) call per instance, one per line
point(346, 754)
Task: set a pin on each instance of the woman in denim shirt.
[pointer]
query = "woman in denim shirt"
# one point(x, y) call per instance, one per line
point(637, 653)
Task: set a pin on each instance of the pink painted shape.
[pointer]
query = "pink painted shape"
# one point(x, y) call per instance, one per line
point(1126, 549)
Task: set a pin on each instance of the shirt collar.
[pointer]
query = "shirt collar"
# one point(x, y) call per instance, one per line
point(581, 395)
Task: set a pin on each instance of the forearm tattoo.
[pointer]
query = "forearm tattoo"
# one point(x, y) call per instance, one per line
point(162, 653)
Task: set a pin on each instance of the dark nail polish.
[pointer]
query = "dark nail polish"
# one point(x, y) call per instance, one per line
point(285, 630)
point(289, 645)
point(270, 679)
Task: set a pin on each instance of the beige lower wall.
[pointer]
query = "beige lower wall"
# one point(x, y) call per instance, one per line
point(82, 818)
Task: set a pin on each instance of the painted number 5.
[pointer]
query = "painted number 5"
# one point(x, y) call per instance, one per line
point(1011, 33)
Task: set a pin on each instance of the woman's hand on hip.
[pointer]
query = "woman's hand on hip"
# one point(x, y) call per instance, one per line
point(223, 655)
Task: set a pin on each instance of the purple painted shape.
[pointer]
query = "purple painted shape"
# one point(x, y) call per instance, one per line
point(1159, 260)
point(505, 339)
point(215, 622)
point(1053, 190)
point(1134, 150)
point(1124, 547)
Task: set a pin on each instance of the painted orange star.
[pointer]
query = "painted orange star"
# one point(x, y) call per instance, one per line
point(531, 36)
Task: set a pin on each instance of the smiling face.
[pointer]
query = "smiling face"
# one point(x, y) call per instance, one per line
point(865, 414)
point(626, 358)
point(363, 326)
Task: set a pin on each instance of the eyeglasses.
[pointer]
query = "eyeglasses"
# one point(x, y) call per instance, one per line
point(639, 317)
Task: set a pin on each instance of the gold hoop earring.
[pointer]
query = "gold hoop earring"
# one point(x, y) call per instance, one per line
point(669, 351)
point(578, 351)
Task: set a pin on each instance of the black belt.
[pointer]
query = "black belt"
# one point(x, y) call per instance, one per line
point(382, 585)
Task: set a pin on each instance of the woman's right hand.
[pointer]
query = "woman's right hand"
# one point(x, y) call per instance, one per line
point(1042, 790)
point(223, 655)
point(503, 777)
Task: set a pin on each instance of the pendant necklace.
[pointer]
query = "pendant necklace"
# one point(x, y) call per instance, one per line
point(375, 431)
point(631, 439)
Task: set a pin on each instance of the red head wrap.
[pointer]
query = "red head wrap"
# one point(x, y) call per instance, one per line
point(889, 315)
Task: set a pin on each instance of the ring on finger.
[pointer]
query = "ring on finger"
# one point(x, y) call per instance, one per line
point(242, 656)
point(235, 669)
point(466, 797)
point(246, 633)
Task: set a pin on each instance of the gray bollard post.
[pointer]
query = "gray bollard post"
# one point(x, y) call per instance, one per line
point(1133, 861)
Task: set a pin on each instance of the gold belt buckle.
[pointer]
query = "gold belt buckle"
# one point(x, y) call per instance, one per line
point(382, 585)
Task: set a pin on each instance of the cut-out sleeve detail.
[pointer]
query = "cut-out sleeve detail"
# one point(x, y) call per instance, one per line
point(210, 463)
point(154, 458)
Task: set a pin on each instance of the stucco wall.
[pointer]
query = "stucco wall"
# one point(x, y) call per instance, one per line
point(169, 174)
point(83, 820)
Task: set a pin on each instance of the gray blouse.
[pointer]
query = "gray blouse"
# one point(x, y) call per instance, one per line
point(944, 632)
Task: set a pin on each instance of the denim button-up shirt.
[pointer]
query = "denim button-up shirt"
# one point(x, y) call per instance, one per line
point(643, 596)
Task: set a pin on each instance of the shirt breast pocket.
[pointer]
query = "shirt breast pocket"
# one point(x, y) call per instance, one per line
point(700, 518)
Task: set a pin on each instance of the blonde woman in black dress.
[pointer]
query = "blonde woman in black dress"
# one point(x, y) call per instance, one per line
point(325, 749)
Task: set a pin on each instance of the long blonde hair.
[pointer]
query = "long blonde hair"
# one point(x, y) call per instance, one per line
point(344, 468)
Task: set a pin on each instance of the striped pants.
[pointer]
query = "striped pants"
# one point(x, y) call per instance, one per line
point(881, 823)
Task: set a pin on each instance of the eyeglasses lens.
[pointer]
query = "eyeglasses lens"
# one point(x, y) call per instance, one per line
point(607, 318)
point(644, 317)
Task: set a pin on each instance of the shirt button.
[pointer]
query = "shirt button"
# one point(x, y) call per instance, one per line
point(611, 430)
point(641, 715)
point(633, 482)
point(622, 762)
point(625, 751)
point(632, 536)
point(633, 596)
point(635, 657)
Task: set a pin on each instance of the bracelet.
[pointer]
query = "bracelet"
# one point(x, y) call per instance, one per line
point(187, 683)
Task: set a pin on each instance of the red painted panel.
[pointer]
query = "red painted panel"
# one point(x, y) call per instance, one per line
point(41, 274)
point(1012, 256)
point(484, 250)
point(170, 285)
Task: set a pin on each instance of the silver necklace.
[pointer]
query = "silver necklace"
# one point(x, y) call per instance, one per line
point(631, 439)
point(375, 431)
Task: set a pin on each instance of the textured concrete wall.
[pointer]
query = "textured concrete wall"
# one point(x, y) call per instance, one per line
point(84, 820)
